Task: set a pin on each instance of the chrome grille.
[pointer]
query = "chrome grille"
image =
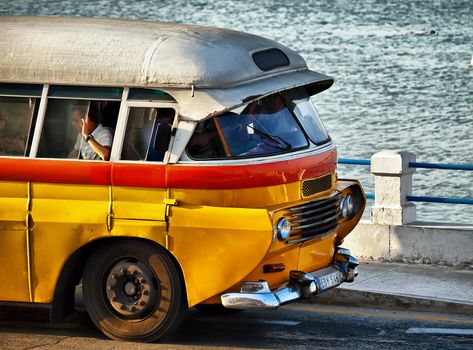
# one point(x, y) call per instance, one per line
point(314, 186)
point(314, 218)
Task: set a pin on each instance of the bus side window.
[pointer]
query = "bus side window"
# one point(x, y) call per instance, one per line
point(206, 142)
point(62, 130)
point(147, 134)
point(161, 136)
point(17, 115)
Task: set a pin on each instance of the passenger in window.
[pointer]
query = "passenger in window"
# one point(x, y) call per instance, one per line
point(11, 144)
point(96, 141)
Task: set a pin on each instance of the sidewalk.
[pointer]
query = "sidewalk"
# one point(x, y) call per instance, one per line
point(407, 287)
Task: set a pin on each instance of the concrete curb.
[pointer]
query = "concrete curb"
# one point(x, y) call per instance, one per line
point(366, 299)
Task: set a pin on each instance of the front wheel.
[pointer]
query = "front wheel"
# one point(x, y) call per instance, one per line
point(133, 291)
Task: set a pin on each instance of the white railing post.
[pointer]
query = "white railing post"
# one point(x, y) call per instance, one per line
point(392, 182)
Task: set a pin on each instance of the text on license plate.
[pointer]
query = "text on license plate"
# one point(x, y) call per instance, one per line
point(331, 280)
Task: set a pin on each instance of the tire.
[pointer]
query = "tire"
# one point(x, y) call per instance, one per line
point(133, 291)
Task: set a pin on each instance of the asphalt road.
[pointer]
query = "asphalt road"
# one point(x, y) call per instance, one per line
point(296, 326)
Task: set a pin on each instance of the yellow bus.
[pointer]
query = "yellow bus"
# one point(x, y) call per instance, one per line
point(161, 167)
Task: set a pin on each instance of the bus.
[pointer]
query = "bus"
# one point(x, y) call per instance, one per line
point(162, 167)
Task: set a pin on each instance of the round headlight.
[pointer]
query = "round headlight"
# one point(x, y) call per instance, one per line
point(283, 229)
point(341, 203)
point(349, 204)
point(343, 207)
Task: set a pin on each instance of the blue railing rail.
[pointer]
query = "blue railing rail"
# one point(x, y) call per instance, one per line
point(443, 166)
point(354, 161)
point(466, 167)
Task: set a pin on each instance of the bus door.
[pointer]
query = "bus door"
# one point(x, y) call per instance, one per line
point(139, 194)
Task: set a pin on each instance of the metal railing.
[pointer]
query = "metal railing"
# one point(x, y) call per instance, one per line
point(448, 200)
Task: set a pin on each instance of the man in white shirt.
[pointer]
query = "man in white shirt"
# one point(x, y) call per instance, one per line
point(97, 140)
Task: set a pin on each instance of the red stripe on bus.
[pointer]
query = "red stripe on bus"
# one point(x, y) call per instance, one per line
point(255, 175)
point(139, 174)
point(172, 176)
point(55, 171)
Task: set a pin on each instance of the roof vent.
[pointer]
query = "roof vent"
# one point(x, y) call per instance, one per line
point(270, 59)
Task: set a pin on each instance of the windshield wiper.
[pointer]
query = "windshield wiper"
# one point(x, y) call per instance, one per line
point(275, 139)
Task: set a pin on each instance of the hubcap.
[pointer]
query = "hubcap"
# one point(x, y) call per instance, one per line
point(130, 288)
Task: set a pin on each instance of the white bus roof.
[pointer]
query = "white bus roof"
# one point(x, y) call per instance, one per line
point(207, 70)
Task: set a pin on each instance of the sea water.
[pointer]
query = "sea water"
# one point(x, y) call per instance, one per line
point(402, 70)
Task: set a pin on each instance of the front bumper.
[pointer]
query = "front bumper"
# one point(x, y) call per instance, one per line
point(301, 285)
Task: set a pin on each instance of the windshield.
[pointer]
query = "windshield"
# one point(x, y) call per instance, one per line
point(264, 127)
point(299, 102)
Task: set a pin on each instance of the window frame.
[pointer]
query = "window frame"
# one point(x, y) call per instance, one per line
point(32, 121)
point(120, 130)
point(69, 92)
point(26, 91)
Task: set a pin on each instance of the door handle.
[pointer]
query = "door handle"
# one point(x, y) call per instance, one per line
point(170, 202)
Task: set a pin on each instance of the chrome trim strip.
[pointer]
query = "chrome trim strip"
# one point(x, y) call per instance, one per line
point(317, 202)
point(329, 212)
point(318, 223)
point(250, 301)
point(310, 212)
point(307, 238)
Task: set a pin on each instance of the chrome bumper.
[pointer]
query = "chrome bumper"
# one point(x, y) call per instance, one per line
point(301, 285)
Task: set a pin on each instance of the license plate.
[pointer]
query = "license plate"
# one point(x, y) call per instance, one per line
point(330, 280)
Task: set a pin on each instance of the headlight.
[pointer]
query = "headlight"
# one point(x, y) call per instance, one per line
point(343, 207)
point(283, 229)
point(349, 204)
point(346, 206)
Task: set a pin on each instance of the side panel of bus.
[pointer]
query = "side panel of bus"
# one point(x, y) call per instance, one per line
point(217, 246)
point(14, 240)
point(65, 217)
